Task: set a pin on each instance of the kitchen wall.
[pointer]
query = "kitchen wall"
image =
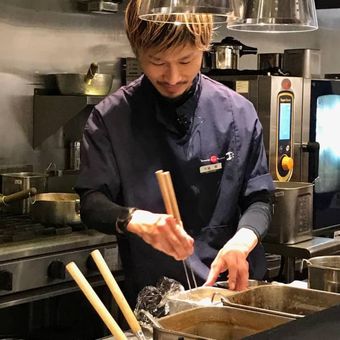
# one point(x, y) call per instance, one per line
point(38, 37)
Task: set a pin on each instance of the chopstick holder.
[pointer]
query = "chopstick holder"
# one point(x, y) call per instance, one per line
point(117, 294)
point(95, 301)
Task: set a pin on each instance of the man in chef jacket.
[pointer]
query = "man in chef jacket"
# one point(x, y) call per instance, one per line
point(210, 139)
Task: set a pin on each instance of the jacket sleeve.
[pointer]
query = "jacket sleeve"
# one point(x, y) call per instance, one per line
point(257, 218)
point(98, 182)
point(255, 201)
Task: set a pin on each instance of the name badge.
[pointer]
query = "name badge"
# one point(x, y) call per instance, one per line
point(210, 168)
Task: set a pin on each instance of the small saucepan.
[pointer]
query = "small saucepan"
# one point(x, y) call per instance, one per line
point(56, 208)
point(324, 273)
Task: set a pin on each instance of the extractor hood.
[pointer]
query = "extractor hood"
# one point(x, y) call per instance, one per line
point(101, 6)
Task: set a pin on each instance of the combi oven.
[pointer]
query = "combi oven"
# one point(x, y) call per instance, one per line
point(301, 119)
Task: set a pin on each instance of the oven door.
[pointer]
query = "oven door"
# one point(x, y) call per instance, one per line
point(324, 150)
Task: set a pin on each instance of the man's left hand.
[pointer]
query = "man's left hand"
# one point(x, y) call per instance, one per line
point(233, 258)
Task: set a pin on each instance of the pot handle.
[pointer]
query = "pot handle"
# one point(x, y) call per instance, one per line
point(91, 73)
point(244, 48)
point(4, 200)
point(303, 262)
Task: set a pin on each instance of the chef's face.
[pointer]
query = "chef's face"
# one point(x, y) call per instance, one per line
point(172, 71)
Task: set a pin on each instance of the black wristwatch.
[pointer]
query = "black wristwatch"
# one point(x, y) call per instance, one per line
point(123, 220)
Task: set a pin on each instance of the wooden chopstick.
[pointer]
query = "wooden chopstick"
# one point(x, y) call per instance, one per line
point(173, 201)
point(168, 194)
point(164, 191)
point(97, 304)
point(117, 294)
point(171, 207)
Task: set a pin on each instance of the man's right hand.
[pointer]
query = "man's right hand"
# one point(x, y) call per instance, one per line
point(162, 232)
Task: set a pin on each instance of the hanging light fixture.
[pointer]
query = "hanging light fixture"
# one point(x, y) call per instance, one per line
point(181, 11)
point(276, 16)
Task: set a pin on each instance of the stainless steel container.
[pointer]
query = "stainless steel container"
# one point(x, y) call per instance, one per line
point(197, 297)
point(18, 181)
point(56, 208)
point(76, 84)
point(284, 300)
point(324, 273)
point(293, 213)
point(204, 296)
point(269, 61)
point(225, 55)
point(251, 284)
point(302, 62)
point(217, 323)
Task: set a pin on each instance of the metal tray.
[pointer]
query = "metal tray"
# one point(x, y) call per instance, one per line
point(251, 284)
point(204, 296)
point(218, 323)
point(284, 300)
point(197, 297)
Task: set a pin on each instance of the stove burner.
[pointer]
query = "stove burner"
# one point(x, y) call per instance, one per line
point(14, 228)
point(34, 255)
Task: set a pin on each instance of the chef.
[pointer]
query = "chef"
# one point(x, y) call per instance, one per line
point(207, 136)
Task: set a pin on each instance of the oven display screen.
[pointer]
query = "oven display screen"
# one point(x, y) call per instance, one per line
point(285, 116)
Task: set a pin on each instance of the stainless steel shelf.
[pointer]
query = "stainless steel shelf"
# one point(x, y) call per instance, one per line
point(50, 112)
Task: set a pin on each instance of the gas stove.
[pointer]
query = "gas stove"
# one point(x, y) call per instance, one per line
point(33, 255)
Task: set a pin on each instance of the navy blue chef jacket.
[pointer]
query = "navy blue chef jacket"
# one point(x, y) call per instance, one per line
point(131, 134)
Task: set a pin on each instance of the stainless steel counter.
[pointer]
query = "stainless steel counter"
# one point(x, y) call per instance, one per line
point(317, 246)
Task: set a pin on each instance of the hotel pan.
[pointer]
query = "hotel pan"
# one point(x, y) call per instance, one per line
point(218, 323)
point(283, 300)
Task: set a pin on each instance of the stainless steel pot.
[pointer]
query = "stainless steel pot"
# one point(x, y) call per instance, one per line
point(76, 84)
point(324, 273)
point(293, 213)
point(19, 181)
point(56, 208)
point(225, 54)
point(91, 83)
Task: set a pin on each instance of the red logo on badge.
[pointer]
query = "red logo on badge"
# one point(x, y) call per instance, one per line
point(213, 159)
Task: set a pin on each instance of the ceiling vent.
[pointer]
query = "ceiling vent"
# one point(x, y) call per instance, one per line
point(101, 7)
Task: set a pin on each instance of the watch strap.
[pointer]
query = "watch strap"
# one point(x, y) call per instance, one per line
point(123, 220)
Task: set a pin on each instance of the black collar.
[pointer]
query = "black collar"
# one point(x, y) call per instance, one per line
point(177, 115)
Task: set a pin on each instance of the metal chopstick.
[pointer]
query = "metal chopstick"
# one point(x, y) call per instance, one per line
point(186, 274)
point(193, 277)
point(170, 202)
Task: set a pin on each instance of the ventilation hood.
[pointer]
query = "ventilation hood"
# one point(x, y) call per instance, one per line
point(101, 6)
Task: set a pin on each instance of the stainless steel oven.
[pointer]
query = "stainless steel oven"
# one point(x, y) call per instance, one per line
point(320, 130)
point(300, 119)
point(36, 289)
point(278, 102)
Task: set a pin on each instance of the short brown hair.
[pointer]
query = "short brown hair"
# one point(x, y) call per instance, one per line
point(162, 35)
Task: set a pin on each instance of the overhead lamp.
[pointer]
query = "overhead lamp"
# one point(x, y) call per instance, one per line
point(183, 11)
point(276, 16)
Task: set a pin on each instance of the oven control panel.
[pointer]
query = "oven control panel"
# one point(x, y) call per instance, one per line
point(41, 271)
point(284, 142)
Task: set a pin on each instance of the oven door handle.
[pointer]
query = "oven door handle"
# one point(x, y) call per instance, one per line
point(313, 149)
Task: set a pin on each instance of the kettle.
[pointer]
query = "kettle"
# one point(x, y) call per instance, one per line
point(225, 54)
